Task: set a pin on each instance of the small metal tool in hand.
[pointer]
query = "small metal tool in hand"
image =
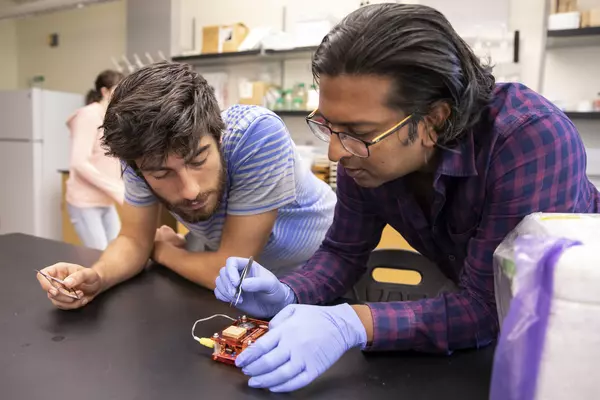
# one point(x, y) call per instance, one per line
point(238, 290)
point(65, 290)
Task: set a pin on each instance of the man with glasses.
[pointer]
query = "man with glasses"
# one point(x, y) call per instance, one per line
point(428, 143)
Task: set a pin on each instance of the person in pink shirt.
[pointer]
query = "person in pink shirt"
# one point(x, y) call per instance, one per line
point(95, 182)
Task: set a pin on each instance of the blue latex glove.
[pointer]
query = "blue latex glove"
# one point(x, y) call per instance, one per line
point(263, 295)
point(303, 342)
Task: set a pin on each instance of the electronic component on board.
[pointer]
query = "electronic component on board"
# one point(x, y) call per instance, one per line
point(231, 341)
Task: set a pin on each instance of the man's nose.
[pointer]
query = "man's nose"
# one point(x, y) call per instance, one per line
point(336, 150)
point(190, 189)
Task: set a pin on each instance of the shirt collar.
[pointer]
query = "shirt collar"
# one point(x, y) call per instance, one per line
point(461, 161)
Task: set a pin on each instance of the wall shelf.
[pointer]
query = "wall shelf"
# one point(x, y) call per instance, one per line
point(575, 32)
point(581, 37)
point(292, 113)
point(592, 115)
point(233, 58)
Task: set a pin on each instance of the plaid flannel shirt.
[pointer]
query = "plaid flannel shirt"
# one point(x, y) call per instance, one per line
point(523, 156)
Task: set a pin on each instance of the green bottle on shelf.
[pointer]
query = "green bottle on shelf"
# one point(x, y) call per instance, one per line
point(298, 104)
point(279, 105)
point(301, 94)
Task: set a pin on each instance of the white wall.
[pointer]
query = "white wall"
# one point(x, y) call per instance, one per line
point(467, 15)
point(571, 75)
point(529, 18)
point(88, 38)
point(8, 52)
point(148, 28)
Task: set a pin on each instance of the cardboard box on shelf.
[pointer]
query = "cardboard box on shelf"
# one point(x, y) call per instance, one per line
point(570, 20)
point(564, 6)
point(590, 18)
point(254, 93)
point(223, 38)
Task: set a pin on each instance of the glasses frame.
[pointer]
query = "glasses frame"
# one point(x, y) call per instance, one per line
point(367, 143)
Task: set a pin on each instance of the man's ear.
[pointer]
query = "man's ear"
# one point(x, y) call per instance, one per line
point(134, 167)
point(435, 122)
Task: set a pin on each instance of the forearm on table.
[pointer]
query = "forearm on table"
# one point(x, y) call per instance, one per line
point(124, 258)
point(442, 324)
point(201, 268)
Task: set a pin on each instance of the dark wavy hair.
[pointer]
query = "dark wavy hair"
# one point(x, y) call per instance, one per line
point(160, 110)
point(417, 47)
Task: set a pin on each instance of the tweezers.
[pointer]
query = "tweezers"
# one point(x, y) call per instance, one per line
point(66, 291)
point(238, 290)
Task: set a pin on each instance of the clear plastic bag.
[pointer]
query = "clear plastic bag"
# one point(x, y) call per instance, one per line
point(521, 342)
point(582, 227)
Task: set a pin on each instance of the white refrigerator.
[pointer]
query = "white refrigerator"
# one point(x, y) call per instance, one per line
point(34, 146)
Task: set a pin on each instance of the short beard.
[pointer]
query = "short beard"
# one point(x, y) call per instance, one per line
point(196, 217)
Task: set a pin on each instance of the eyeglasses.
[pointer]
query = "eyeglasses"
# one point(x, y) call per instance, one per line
point(353, 145)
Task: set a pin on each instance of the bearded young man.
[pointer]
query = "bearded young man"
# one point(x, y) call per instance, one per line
point(233, 179)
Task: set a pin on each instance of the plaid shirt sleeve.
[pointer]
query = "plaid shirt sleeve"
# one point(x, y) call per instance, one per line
point(342, 258)
point(536, 165)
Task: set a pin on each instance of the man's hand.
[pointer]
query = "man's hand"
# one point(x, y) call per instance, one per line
point(85, 281)
point(166, 234)
point(303, 342)
point(263, 295)
point(165, 239)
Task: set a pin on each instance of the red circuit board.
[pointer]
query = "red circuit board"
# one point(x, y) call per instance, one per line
point(231, 341)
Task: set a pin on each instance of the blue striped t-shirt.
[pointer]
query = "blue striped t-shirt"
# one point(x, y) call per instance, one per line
point(264, 173)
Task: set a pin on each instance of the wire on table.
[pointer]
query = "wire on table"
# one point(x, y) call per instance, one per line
point(206, 319)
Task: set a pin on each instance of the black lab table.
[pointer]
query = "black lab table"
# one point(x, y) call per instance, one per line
point(134, 342)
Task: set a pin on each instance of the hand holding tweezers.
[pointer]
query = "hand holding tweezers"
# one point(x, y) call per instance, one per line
point(238, 290)
point(61, 285)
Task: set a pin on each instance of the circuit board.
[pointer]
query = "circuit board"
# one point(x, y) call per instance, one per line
point(231, 341)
